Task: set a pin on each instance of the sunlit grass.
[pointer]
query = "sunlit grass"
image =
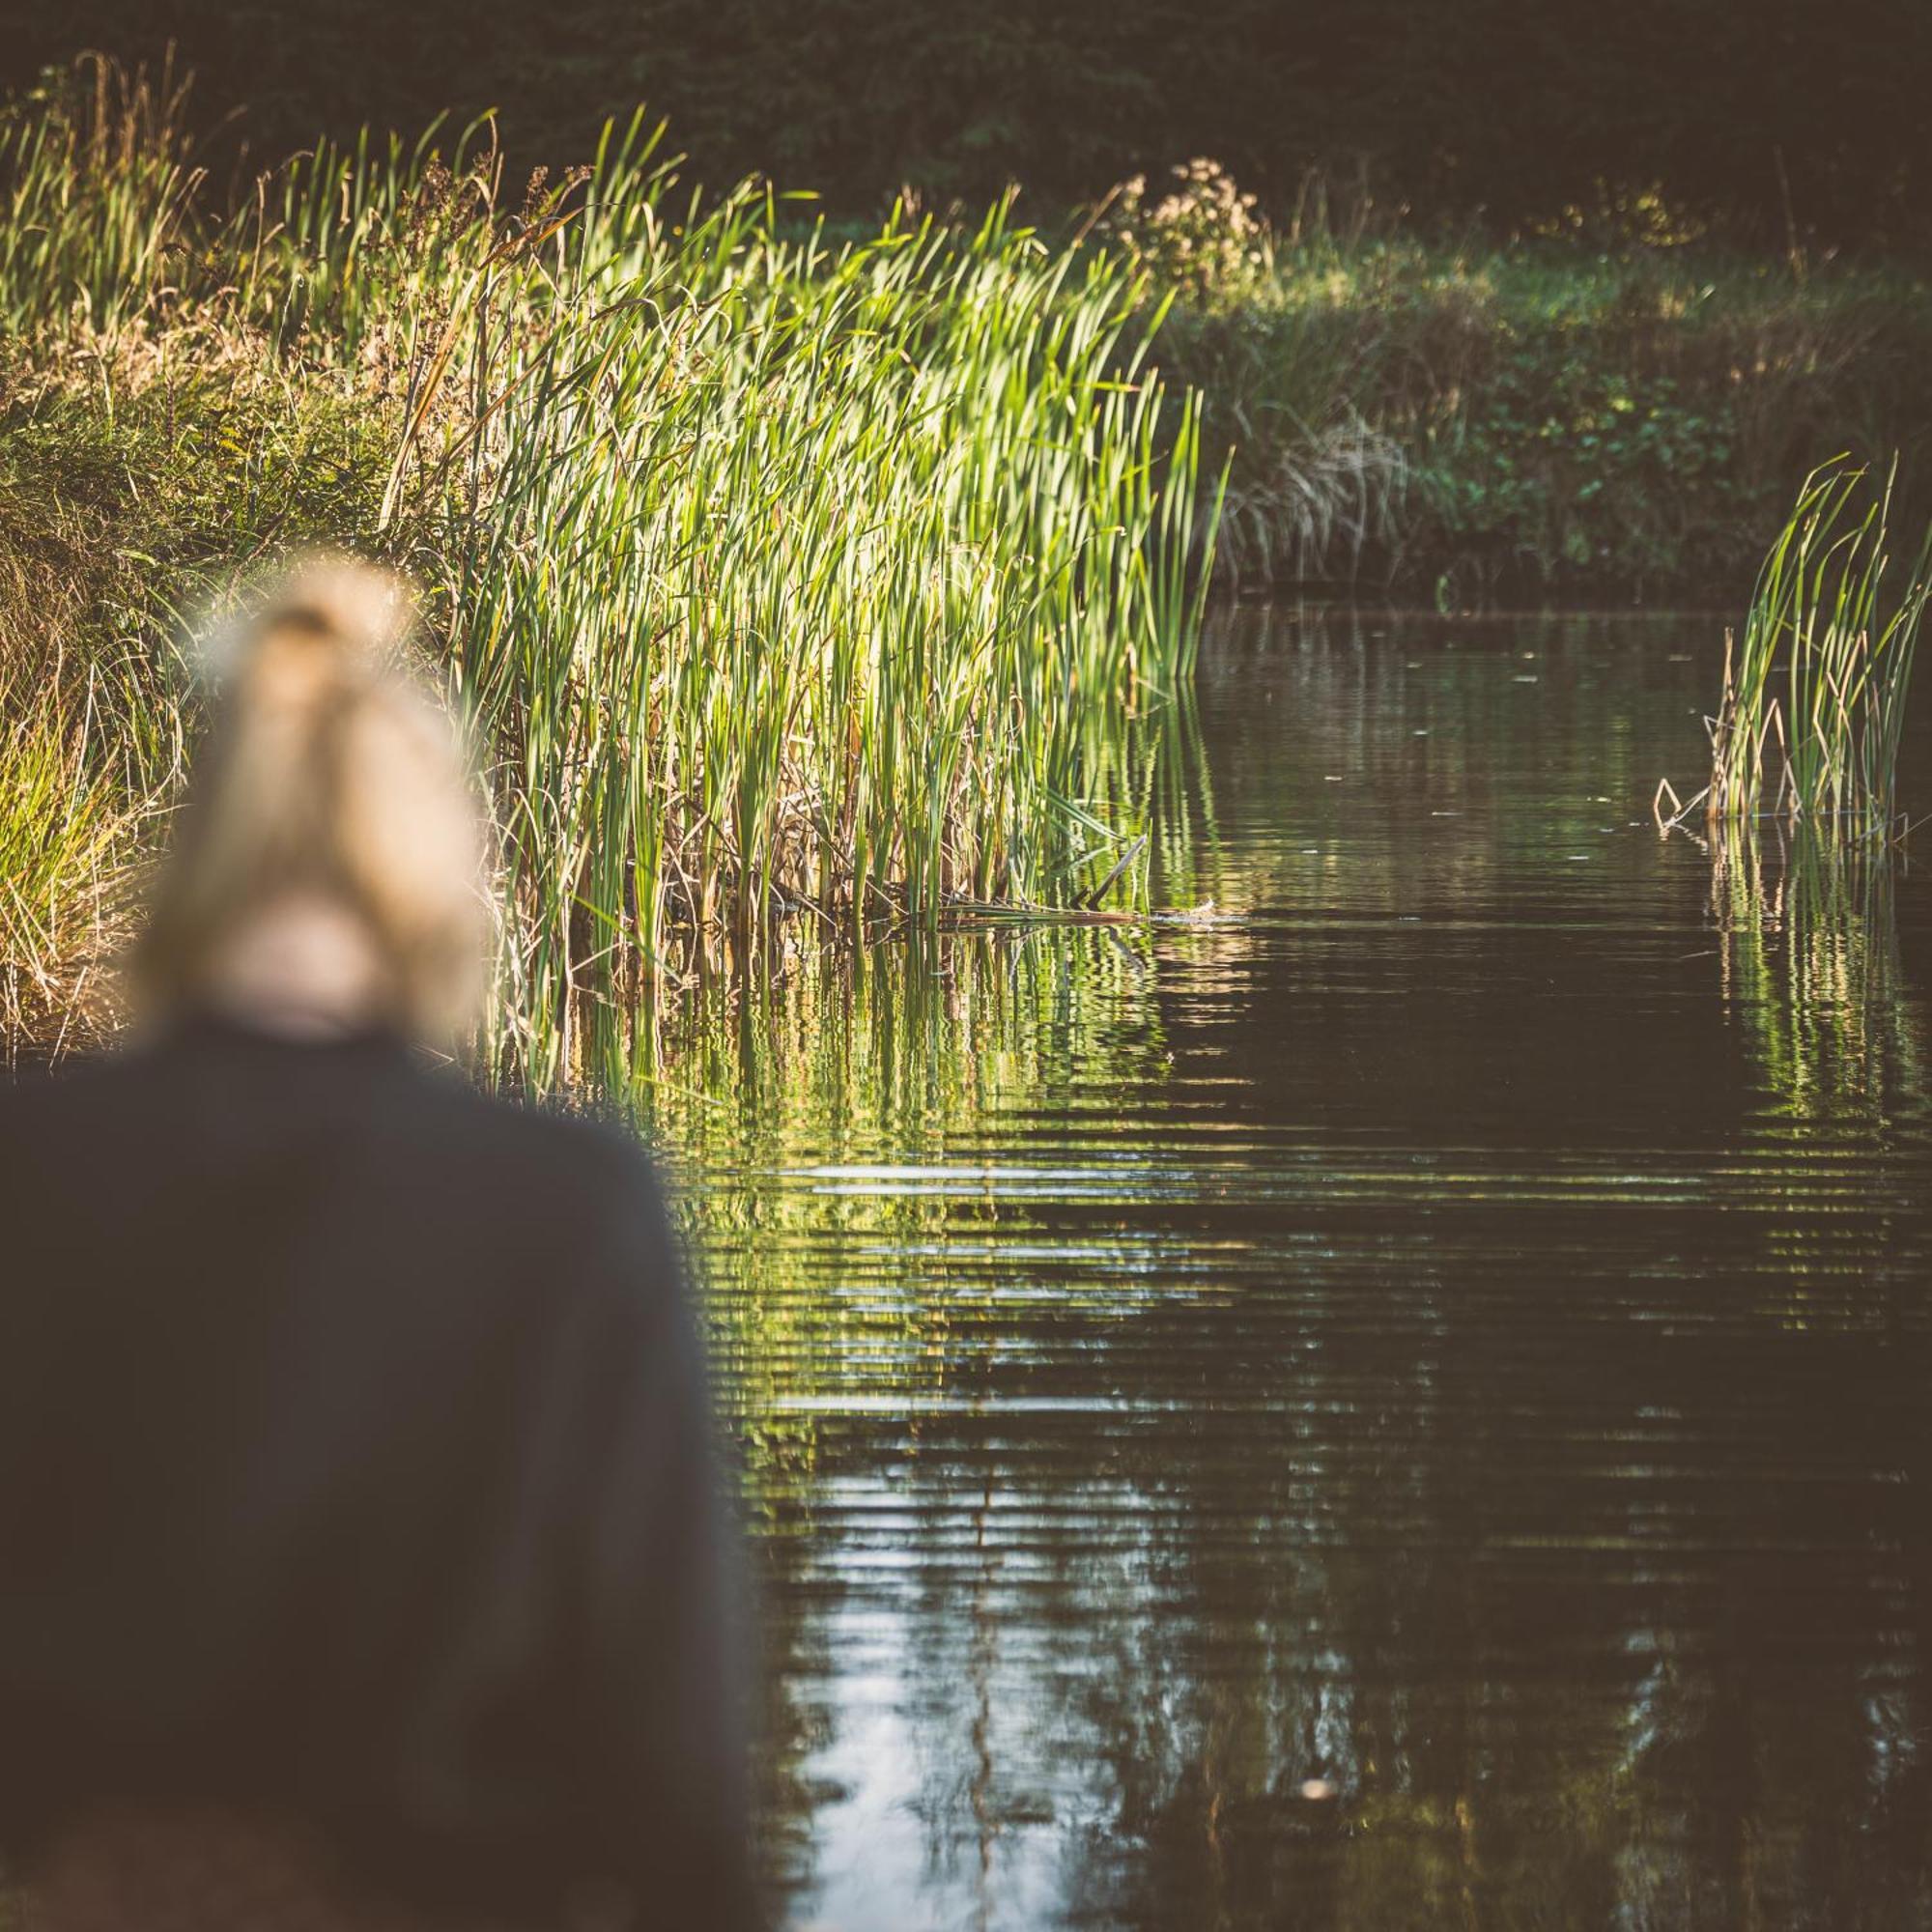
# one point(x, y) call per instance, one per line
point(63, 835)
point(785, 580)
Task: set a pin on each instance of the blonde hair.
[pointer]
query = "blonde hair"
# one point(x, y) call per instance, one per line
point(331, 774)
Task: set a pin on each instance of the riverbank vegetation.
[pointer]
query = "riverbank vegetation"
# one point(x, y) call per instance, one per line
point(1558, 303)
point(782, 578)
point(1613, 410)
point(808, 575)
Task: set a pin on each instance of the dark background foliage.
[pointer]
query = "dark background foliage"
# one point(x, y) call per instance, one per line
point(1754, 116)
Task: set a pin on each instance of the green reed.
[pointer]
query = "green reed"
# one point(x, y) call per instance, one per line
point(785, 580)
point(97, 193)
point(1813, 706)
point(55, 831)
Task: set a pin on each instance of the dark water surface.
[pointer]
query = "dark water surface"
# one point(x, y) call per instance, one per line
point(1401, 1405)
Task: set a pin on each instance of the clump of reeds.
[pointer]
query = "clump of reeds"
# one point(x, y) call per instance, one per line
point(1813, 705)
point(60, 826)
point(97, 188)
point(783, 578)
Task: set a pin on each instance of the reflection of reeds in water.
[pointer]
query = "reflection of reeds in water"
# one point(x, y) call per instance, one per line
point(846, 1134)
point(1801, 809)
point(842, 1113)
point(1144, 843)
point(761, 1075)
point(1811, 967)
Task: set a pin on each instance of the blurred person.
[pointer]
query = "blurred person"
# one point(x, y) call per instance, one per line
point(360, 1564)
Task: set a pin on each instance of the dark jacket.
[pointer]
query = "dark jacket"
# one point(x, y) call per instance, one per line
point(354, 1461)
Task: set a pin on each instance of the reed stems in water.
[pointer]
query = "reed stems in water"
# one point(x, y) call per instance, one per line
point(1813, 705)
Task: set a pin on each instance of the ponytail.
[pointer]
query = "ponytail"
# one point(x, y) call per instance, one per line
point(330, 773)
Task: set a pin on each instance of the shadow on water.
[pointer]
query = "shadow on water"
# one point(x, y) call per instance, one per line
point(1395, 1405)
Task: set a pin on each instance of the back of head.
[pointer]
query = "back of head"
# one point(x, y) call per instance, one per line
point(332, 782)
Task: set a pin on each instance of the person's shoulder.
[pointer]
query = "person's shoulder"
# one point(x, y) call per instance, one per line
point(592, 1162)
point(605, 1210)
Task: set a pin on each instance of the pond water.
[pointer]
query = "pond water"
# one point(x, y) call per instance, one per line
point(1398, 1402)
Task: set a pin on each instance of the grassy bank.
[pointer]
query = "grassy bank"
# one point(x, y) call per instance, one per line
point(1617, 412)
point(784, 580)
